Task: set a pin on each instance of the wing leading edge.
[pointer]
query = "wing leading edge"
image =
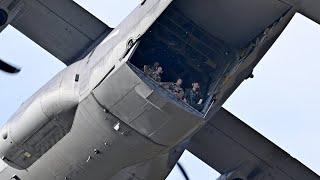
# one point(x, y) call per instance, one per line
point(237, 151)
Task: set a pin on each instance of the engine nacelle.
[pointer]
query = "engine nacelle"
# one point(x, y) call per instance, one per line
point(41, 121)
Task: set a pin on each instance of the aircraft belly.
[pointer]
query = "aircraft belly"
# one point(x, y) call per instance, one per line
point(145, 108)
point(155, 169)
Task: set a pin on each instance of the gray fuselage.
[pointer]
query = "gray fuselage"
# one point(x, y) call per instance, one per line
point(97, 116)
point(103, 118)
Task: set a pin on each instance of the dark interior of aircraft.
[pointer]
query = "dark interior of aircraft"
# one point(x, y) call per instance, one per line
point(185, 51)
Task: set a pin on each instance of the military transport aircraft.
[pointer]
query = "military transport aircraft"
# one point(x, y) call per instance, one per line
point(103, 117)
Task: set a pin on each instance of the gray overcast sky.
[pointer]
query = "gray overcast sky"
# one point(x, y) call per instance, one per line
point(281, 102)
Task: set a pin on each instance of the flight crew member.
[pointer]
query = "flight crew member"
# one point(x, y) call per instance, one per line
point(194, 97)
point(177, 90)
point(156, 75)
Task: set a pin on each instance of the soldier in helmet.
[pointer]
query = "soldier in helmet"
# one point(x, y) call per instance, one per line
point(176, 89)
point(156, 75)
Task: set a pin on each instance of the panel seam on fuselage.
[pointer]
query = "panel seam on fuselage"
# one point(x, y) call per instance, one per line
point(107, 111)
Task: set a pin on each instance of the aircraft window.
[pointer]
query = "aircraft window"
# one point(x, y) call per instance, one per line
point(184, 59)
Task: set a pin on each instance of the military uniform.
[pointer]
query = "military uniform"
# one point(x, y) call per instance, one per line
point(155, 76)
point(177, 90)
point(193, 98)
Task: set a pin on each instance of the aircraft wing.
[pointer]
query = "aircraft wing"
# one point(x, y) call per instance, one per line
point(61, 27)
point(237, 151)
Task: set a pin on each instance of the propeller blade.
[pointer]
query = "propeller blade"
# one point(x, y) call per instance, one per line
point(184, 173)
point(8, 68)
